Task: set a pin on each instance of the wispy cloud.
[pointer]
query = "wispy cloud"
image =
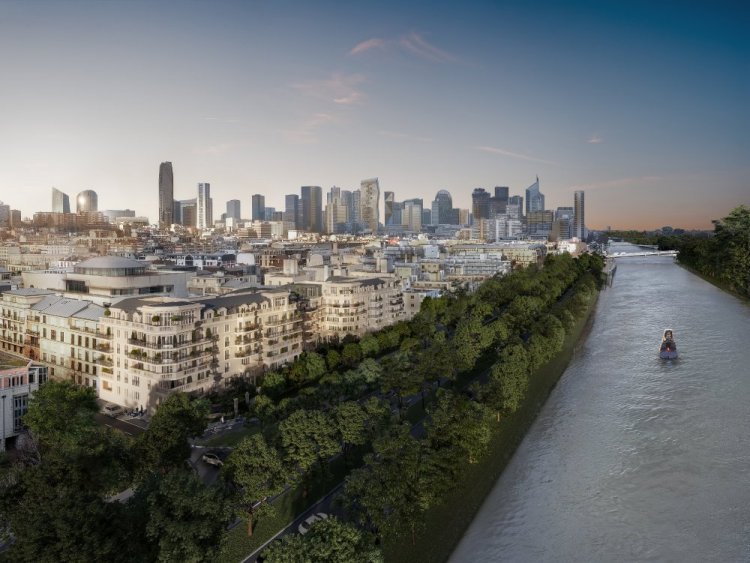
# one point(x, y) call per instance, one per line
point(339, 88)
point(221, 148)
point(413, 43)
point(418, 45)
point(397, 135)
point(516, 155)
point(595, 139)
point(367, 45)
point(632, 181)
point(306, 132)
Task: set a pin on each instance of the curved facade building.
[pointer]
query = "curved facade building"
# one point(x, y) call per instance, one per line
point(442, 207)
point(87, 201)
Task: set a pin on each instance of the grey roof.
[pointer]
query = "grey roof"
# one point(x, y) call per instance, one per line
point(132, 304)
point(105, 262)
point(92, 312)
point(64, 307)
point(361, 281)
point(31, 291)
point(233, 299)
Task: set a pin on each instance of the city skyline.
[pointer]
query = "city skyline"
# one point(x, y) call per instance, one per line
point(635, 104)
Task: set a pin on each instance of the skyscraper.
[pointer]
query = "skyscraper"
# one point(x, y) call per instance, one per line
point(233, 209)
point(388, 198)
point(4, 216)
point(166, 195)
point(499, 202)
point(515, 206)
point(312, 209)
point(411, 216)
point(579, 215)
point(259, 207)
point(337, 211)
point(442, 206)
point(534, 198)
point(292, 211)
point(86, 201)
point(480, 204)
point(369, 204)
point(60, 201)
point(205, 212)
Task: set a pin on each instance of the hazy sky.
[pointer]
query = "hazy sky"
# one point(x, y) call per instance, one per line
point(642, 104)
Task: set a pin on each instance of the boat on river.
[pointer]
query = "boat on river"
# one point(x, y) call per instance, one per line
point(668, 348)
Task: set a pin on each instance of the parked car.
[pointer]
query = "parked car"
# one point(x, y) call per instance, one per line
point(212, 459)
point(304, 527)
point(113, 410)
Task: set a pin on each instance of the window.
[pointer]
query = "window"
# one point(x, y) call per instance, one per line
point(136, 381)
point(20, 406)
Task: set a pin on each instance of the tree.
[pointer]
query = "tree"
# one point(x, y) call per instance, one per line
point(458, 425)
point(509, 379)
point(369, 346)
point(333, 359)
point(400, 376)
point(351, 354)
point(263, 407)
point(370, 370)
point(307, 437)
point(469, 341)
point(61, 414)
point(274, 384)
point(733, 239)
point(315, 366)
point(258, 471)
point(329, 540)
point(56, 516)
point(392, 491)
point(186, 519)
point(350, 424)
point(165, 444)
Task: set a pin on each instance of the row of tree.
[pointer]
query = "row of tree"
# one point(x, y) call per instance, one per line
point(408, 473)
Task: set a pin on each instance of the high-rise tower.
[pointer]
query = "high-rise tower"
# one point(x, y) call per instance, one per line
point(480, 204)
point(312, 208)
point(234, 209)
point(259, 207)
point(534, 198)
point(60, 201)
point(442, 206)
point(579, 215)
point(166, 195)
point(389, 198)
point(369, 204)
point(205, 219)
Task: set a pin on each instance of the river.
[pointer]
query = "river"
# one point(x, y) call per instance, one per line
point(634, 458)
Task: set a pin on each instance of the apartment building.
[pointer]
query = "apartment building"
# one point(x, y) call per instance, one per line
point(16, 387)
point(348, 305)
point(161, 345)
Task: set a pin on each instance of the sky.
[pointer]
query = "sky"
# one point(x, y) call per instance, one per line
point(644, 105)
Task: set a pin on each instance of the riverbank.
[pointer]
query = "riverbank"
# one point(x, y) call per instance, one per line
point(446, 524)
point(714, 281)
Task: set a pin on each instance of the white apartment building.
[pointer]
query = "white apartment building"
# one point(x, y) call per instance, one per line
point(355, 306)
point(16, 387)
point(161, 345)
